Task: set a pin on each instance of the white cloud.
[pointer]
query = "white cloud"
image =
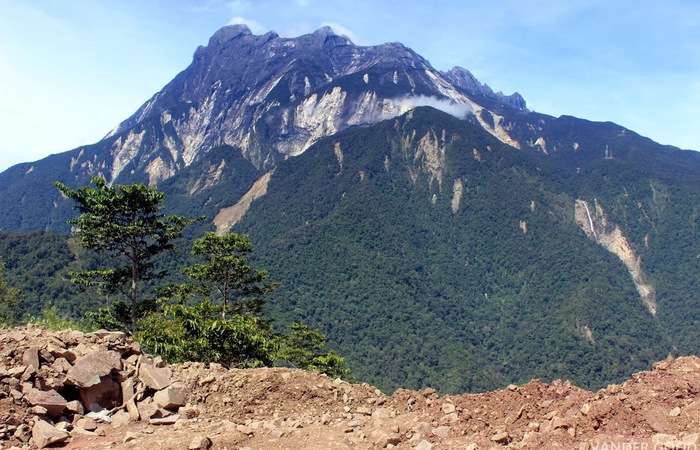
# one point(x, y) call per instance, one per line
point(458, 110)
point(342, 30)
point(255, 27)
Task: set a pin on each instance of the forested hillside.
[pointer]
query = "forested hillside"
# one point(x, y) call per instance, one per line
point(432, 254)
point(504, 288)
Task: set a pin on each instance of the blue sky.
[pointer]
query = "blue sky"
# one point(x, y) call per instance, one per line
point(71, 70)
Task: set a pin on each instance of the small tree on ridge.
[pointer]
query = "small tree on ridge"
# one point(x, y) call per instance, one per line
point(126, 223)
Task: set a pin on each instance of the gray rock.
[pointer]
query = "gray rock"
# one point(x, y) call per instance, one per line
point(130, 436)
point(441, 432)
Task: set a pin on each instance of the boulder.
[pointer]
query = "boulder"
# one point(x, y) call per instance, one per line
point(30, 358)
point(172, 397)
point(91, 368)
point(45, 434)
point(52, 401)
point(104, 395)
point(154, 377)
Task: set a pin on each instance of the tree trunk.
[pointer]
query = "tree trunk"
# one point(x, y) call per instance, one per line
point(134, 273)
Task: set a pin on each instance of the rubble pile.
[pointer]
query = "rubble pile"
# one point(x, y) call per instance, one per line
point(54, 385)
point(99, 390)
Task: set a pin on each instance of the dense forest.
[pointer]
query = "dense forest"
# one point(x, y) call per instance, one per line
point(432, 254)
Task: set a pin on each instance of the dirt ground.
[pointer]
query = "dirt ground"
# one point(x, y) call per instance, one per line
point(279, 408)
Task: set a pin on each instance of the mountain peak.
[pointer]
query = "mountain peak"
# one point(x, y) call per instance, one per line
point(324, 31)
point(229, 32)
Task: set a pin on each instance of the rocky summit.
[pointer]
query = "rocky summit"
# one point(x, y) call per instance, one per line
point(98, 390)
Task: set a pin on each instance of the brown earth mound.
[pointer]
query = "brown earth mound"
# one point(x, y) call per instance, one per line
point(98, 390)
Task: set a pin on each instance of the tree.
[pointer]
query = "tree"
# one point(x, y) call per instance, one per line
point(303, 348)
point(126, 223)
point(226, 272)
point(9, 300)
point(198, 333)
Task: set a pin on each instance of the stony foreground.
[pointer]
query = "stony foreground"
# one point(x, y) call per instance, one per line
point(98, 390)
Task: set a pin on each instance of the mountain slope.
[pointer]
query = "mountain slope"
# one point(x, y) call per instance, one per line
point(266, 96)
point(463, 251)
point(434, 255)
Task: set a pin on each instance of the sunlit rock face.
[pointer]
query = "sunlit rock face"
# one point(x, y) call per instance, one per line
point(274, 97)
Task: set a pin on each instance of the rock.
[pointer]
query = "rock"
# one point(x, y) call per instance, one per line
point(132, 409)
point(16, 371)
point(51, 400)
point(46, 355)
point(501, 438)
point(448, 408)
point(441, 432)
point(147, 409)
point(23, 433)
point(172, 396)
point(39, 410)
point(106, 394)
point(93, 367)
point(585, 409)
point(424, 445)
point(86, 423)
point(450, 418)
point(45, 434)
point(121, 419)
point(200, 443)
point(75, 407)
point(127, 387)
point(675, 412)
point(188, 412)
point(383, 438)
point(560, 422)
point(244, 429)
point(364, 410)
point(61, 365)
point(169, 420)
point(30, 358)
point(381, 414)
point(130, 436)
point(154, 377)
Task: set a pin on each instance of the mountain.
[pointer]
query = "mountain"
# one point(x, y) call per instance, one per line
point(267, 96)
point(439, 233)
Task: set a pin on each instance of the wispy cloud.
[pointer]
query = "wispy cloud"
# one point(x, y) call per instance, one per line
point(458, 110)
point(342, 30)
point(255, 27)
